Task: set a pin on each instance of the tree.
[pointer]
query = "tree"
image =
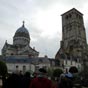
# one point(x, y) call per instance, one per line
point(3, 71)
point(50, 72)
point(57, 72)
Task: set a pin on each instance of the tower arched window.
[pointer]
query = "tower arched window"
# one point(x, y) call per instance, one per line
point(66, 17)
point(70, 15)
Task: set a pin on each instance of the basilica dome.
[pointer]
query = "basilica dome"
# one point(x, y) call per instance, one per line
point(21, 36)
point(22, 32)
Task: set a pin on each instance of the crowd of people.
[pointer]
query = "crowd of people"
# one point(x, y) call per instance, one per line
point(40, 80)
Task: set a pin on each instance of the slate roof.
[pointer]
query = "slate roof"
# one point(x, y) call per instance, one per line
point(13, 59)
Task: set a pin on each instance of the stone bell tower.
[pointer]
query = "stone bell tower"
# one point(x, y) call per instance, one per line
point(73, 34)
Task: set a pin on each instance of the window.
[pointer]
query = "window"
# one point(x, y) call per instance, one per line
point(36, 68)
point(24, 68)
point(17, 66)
point(66, 17)
point(70, 15)
point(11, 54)
point(71, 62)
point(77, 15)
point(66, 61)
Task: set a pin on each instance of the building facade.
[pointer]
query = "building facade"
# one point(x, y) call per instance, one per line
point(73, 44)
point(21, 45)
point(19, 56)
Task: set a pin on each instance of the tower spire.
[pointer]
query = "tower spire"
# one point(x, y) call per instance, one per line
point(23, 23)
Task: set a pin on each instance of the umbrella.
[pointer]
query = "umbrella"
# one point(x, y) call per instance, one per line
point(73, 69)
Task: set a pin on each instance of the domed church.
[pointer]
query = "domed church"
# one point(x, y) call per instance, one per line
point(20, 56)
point(21, 44)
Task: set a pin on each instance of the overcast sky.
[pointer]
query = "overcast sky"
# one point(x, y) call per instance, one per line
point(42, 19)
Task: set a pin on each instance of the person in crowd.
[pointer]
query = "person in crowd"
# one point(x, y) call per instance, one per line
point(26, 79)
point(13, 81)
point(65, 80)
point(41, 81)
point(35, 74)
point(69, 80)
point(61, 82)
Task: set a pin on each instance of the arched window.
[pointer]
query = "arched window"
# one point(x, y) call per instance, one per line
point(17, 66)
point(11, 54)
point(66, 17)
point(24, 69)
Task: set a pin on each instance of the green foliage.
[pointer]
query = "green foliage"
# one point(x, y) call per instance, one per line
point(3, 68)
point(57, 72)
point(50, 72)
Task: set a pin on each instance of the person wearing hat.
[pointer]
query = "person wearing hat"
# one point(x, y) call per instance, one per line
point(41, 81)
point(66, 80)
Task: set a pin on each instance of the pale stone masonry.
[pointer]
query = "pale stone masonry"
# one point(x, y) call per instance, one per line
point(73, 44)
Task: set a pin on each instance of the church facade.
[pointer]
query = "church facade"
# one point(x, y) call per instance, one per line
point(73, 46)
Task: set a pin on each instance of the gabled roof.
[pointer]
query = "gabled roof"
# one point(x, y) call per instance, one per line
point(73, 9)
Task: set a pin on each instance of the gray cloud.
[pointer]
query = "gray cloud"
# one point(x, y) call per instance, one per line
point(12, 12)
point(43, 4)
point(47, 46)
